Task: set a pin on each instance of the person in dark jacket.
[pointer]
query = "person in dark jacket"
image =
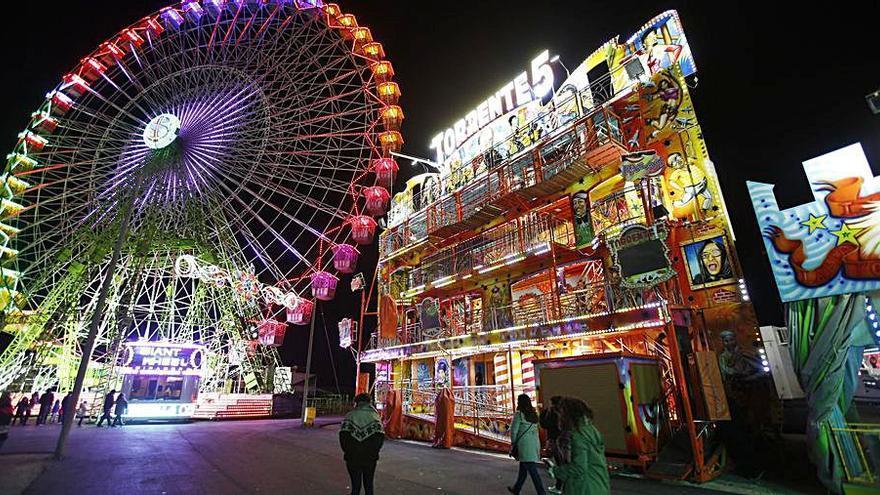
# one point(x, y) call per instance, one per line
point(46, 401)
point(361, 438)
point(67, 406)
point(550, 422)
point(6, 413)
point(35, 399)
point(121, 409)
point(108, 406)
point(22, 411)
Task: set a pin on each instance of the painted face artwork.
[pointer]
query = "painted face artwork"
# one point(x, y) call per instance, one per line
point(712, 258)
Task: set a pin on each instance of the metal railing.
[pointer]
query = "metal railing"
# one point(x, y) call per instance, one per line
point(486, 409)
point(851, 444)
point(527, 235)
point(502, 170)
point(540, 309)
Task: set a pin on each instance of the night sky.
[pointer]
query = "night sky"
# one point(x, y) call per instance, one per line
point(778, 84)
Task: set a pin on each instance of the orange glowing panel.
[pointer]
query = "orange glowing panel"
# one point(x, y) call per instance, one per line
point(391, 141)
point(362, 35)
point(332, 9)
point(347, 20)
point(374, 51)
point(383, 70)
point(389, 92)
point(392, 116)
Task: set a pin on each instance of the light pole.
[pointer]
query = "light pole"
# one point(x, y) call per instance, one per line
point(309, 364)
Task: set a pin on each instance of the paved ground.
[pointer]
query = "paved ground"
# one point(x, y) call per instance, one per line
point(253, 457)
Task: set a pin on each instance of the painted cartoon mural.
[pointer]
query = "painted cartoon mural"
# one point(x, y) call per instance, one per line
point(832, 245)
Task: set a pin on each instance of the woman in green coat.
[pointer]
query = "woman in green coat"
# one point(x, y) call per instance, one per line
point(587, 473)
point(525, 446)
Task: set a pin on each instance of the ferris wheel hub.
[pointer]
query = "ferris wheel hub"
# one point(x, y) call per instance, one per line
point(161, 131)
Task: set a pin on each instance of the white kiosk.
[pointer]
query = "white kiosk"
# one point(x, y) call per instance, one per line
point(161, 379)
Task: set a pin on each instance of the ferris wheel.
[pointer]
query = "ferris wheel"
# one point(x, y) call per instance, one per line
point(245, 144)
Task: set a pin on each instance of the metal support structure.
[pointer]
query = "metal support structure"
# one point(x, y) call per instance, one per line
point(360, 331)
point(309, 364)
point(124, 224)
point(700, 473)
point(360, 346)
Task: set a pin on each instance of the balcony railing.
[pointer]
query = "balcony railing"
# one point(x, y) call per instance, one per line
point(487, 409)
point(543, 309)
point(496, 179)
point(529, 235)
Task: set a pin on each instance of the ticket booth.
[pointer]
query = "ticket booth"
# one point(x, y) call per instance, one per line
point(161, 379)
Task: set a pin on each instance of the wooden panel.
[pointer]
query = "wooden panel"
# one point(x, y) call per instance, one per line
point(599, 386)
point(712, 386)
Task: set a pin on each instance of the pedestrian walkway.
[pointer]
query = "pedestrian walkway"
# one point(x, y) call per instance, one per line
point(265, 456)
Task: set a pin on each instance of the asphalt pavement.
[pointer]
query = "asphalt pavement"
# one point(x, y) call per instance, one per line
point(266, 456)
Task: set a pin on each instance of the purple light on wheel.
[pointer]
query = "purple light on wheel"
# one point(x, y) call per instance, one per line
point(193, 10)
point(345, 258)
point(324, 286)
point(172, 18)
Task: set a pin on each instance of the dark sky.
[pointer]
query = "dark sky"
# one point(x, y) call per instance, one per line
point(779, 83)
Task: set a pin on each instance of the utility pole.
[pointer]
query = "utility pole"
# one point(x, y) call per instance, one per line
point(309, 364)
point(124, 224)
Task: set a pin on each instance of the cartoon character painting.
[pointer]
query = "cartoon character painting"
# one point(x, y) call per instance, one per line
point(663, 102)
point(687, 184)
point(832, 245)
point(583, 226)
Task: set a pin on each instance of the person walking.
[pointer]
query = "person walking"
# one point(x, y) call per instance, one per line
point(6, 413)
point(66, 406)
point(587, 473)
point(35, 399)
point(46, 402)
point(56, 408)
point(361, 437)
point(121, 409)
point(525, 446)
point(108, 406)
point(557, 444)
point(81, 411)
point(22, 411)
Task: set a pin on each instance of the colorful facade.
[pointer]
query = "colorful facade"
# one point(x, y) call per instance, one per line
point(573, 215)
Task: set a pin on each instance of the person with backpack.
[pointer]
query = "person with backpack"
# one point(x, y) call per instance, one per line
point(525, 445)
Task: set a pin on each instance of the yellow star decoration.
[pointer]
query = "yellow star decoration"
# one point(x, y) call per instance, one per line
point(846, 234)
point(815, 222)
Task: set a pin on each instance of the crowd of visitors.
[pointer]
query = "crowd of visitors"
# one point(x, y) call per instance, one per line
point(577, 450)
point(50, 410)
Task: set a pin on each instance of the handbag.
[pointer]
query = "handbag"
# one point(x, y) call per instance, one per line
point(514, 447)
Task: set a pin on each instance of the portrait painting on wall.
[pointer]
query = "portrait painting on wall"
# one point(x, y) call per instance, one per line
point(708, 262)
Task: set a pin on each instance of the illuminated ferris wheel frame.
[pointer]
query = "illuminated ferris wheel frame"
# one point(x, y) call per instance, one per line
point(169, 89)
